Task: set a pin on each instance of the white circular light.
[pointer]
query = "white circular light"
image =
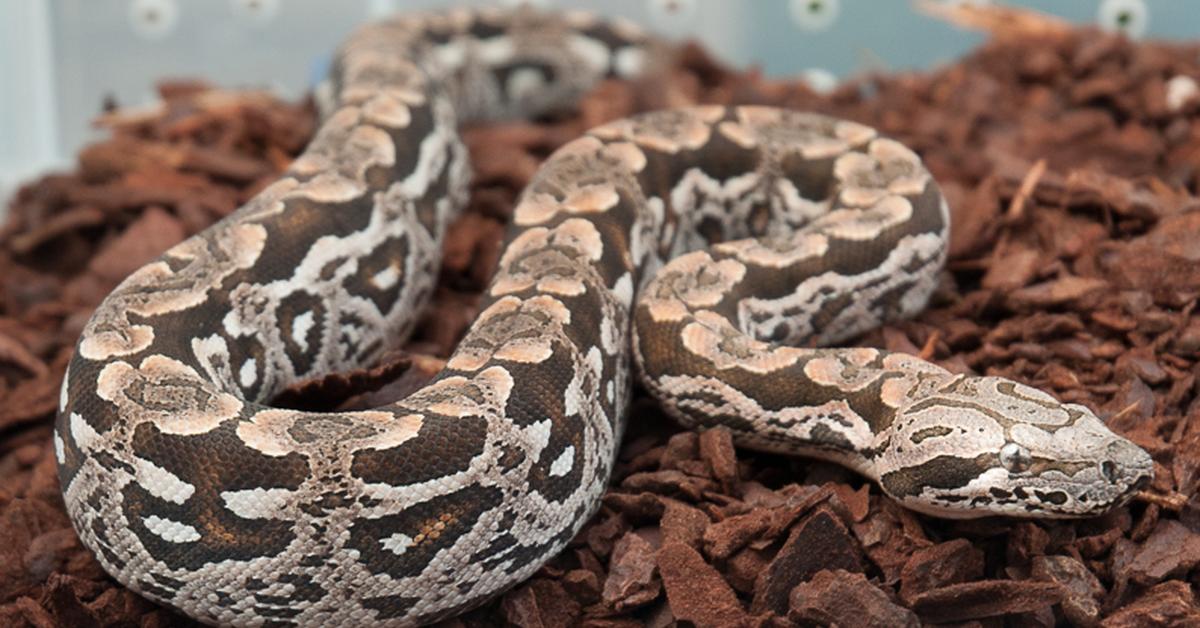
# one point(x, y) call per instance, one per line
point(815, 15)
point(672, 11)
point(1130, 17)
point(153, 19)
point(256, 11)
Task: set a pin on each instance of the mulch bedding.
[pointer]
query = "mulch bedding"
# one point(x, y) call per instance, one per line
point(1072, 165)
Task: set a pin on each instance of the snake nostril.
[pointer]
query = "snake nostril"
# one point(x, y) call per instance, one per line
point(1108, 469)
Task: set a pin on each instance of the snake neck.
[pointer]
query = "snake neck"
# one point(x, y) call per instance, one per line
point(837, 405)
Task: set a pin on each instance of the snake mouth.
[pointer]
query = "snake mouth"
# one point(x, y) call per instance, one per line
point(1091, 490)
point(1092, 503)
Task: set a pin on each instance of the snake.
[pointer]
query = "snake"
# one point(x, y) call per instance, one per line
point(713, 253)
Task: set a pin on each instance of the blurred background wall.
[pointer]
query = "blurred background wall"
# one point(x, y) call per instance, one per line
point(60, 60)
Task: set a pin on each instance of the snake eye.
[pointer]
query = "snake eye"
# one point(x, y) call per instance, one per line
point(1015, 458)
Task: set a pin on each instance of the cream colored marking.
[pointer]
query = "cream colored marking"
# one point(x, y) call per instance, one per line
point(495, 51)
point(626, 28)
point(495, 381)
point(268, 430)
point(526, 353)
point(591, 199)
point(563, 463)
point(60, 453)
point(593, 53)
point(397, 543)
point(800, 247)
point(629, 61)
point(300, 327)
point(171, 531)
point(248, 373)
point(193, 414)
point(822, 148)
point(387, 278)
point(578, 236)
point(628, 154)
point(450, 56)
point(712, 337)
point(524, 83)
point(470, 357)
point(866, 224)
point(831, 371)
point(535, 209)
point(387, 110)
point(740, 134)
point(678, 288)
point(63, 389)
point(395, 430)
point(589, 370)
point(265, 432)
point(82, 433)
point(853, 133)
point(101, 345)
point(895, 392)
point(258, 503)
point(623, 290)
point(162, 483)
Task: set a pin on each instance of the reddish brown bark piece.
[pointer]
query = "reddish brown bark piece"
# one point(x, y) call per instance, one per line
point(541, 603)
point(603, 534)
point(1168, 604)
point(1082, 588)
point(36, 398)
point(1012, 270)
point(1164, 262)
point(695, 590)
point(1054, 292)
point(683, 523)
point(583, 585)
point(844, 598)
point(669, 482)
point(726, 537)
point(946, 563)
point(631, 579)
point(1171, 550)
point(681, 448)
point(819, 541)
point(716, 449)
point(986, 598)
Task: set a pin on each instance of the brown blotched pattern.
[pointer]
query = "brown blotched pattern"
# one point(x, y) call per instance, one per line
point(191, 491)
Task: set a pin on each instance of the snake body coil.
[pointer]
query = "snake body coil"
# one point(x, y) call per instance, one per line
point(193, 492)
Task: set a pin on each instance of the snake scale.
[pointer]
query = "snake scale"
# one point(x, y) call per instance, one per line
point(698, 247)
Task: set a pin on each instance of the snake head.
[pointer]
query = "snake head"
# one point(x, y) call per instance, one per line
point(981, 446)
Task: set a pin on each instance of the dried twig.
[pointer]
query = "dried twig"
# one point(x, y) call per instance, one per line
point(1016, 208)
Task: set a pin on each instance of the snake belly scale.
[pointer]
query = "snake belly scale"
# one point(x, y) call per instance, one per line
point(726, 236)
